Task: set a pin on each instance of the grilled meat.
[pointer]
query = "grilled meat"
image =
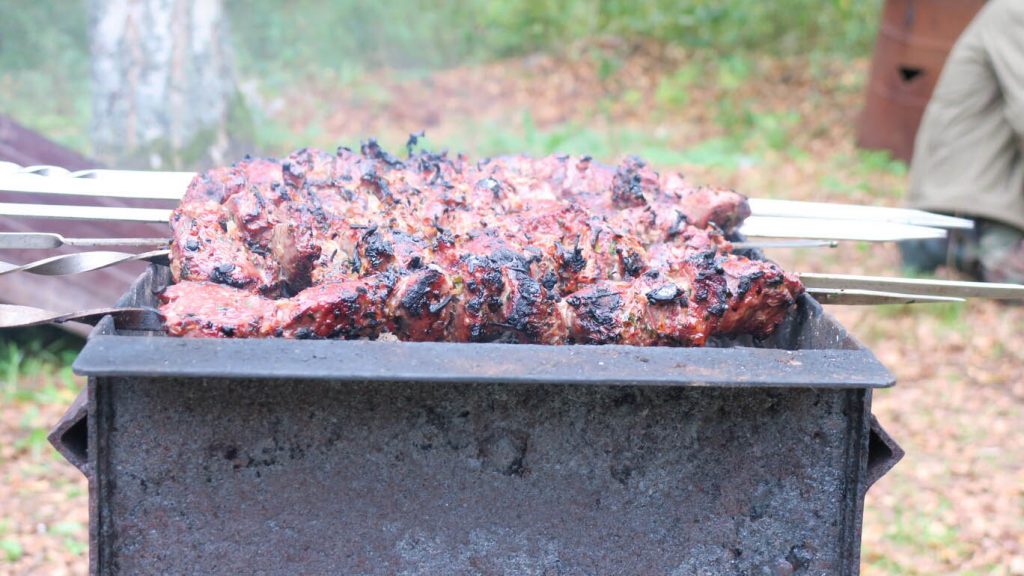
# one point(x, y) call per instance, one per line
point(551, 250)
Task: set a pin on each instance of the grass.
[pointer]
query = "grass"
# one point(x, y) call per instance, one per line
point(35, 370)
point(11, 548)
point(35, 377)
point(35, 365)
point(69, 532)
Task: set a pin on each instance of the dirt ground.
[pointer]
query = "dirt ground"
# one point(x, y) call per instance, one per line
point(954, 505)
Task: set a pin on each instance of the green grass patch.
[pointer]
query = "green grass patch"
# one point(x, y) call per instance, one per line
point(35, 365)
point(69, 532)
point(949, 315)
point(492, 139)
point(923, 530)
point(11, 549)
point(866, 175)
point(880, 161)
point(33, 433)
point(35, 370)
point(673, 91)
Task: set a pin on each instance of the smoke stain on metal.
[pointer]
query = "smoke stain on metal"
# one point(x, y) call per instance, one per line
point(429, 465)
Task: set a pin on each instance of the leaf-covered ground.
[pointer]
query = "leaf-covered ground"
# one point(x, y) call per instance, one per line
point(769, 128)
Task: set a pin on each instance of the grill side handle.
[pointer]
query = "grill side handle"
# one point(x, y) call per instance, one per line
point(883, 453)
point(70, 436)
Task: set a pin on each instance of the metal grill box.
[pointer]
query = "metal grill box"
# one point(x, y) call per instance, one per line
point(331, 457)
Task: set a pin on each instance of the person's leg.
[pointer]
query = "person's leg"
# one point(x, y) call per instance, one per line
point(1001, 253)
point(959, 251)
point(923, 256)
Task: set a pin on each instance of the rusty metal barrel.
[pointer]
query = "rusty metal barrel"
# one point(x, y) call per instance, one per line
point(914, 39)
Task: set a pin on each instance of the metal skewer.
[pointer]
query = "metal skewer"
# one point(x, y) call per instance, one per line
point(82, 262)
point(150, 319)
point(79, 262)
point(125, 318)
point(828, 288)
point(920, 286)
point(44, 240)
point(92, 213)
point(767, 244)
point(803, 209)
point(103, 183)
point(140, 184)
point(758, 226)
point(823, 229)
point(873, 297)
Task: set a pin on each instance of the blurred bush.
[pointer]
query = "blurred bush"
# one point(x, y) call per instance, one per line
point(346, 35)
point(287, 37)
point(44, 44)
point(44, 67)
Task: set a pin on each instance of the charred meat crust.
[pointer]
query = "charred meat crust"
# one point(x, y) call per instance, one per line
point(551, 250)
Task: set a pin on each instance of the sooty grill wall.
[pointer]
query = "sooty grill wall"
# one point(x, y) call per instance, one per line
point(327, 457)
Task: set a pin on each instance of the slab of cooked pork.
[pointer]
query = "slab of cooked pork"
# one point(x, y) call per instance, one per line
point(552, 250)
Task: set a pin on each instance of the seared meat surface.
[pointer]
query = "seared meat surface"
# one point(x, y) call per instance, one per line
point(549, 250)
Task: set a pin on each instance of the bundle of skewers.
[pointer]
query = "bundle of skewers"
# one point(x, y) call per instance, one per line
point(430, 247)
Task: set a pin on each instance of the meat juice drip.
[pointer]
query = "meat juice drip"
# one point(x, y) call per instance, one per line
point(553, 250)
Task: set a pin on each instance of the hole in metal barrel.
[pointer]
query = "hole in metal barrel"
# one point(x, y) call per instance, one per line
point(883, 452)
point(910, 73)
point(76, 441)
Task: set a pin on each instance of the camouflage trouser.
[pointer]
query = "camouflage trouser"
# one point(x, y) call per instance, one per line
point(992, 251)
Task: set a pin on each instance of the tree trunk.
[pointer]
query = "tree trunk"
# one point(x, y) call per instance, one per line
point(164, 92)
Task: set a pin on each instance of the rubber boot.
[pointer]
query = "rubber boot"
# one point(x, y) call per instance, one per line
point(1001, 253)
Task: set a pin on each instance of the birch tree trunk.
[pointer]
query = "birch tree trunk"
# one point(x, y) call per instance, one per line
point(164, 90)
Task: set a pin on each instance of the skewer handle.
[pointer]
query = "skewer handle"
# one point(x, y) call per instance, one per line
point(125, 318)
point(863, 213)
point(51, 180)
point(82, 262)
point(767, 244)
point(94, 213)
point(46, 240)
point(856, 297)
point(922, 286)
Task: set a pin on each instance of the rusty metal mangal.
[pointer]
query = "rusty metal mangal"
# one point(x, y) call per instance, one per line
point(284, 457)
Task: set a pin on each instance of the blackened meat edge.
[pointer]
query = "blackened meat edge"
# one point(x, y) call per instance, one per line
point(552, 250)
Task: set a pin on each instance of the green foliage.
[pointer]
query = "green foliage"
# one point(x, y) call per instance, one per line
point(490, 139)
point(880, 161)
point(11, 549)
point(774, 128)
point(733, 71)
point(673, 91)
point(348, 36)
point(782, 27)
point(44, 56)
point(69, 532)
point(35, 366)
point(924, 530)
point(33, 430)
point(38, 35)
point(44, 67)
point(950, 316)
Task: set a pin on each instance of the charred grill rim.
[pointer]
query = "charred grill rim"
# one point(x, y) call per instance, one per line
point(810, 351)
